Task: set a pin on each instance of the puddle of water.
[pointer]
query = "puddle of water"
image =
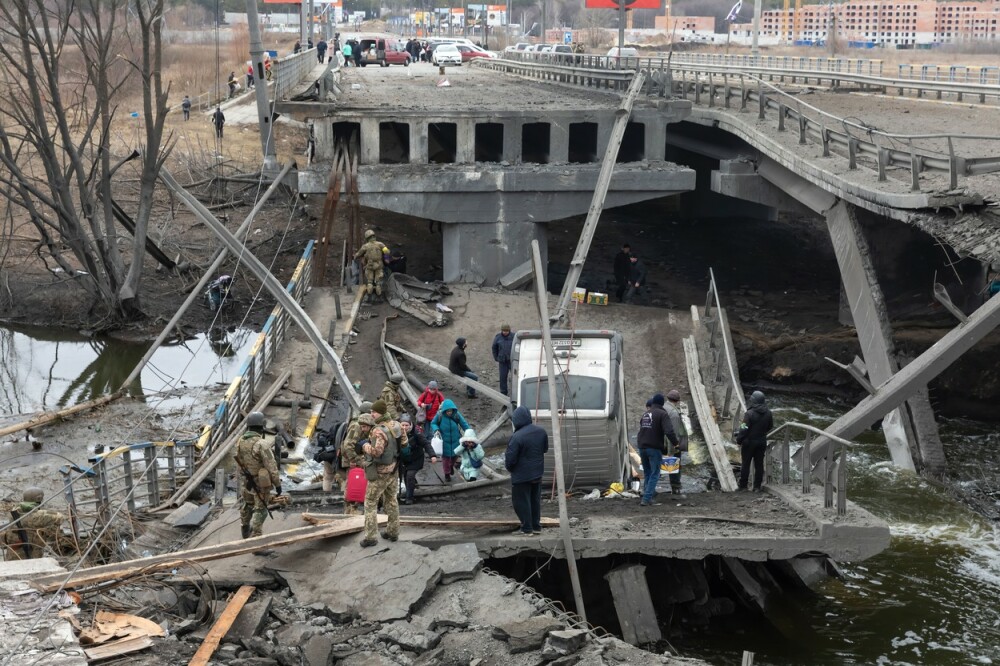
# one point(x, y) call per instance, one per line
point(42, 368)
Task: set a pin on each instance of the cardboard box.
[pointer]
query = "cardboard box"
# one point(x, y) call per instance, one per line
point(580, 295)
point(597, 298)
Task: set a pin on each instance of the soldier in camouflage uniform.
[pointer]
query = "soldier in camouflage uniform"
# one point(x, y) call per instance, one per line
point(381, 449)
point(35, 530)
point(349, 457)
point(371, 254)
point(390, 396)
point(258, 475)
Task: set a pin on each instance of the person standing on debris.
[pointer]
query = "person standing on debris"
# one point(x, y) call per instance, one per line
point(186, 108)
point(654, 426)
point(458, 365)
point(636, 278)
point(502, 343)
point(349, 459)
point(525, 460)
point(470, 454)
point(321, 48)
point(258, 475)
point(430, 401)
point(231, 82)
point(219, 120)
point(32, 529)
point(381, 451)
point(450, 423)
point(623, 266)
point(371, 254)
point(673, 409)
point(412, 459)
point(347, 53)
point(752, 438)
point(390, 396)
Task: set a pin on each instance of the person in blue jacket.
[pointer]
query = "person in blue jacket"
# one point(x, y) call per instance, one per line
point(525, 460)
point(452, 425)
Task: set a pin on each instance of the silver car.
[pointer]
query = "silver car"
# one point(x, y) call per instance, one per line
point(446, 54)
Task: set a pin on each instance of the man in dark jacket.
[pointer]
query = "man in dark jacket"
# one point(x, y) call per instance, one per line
point(458, 365)
point(752, 438)
point(502, 344)
point(653, 427)
point(623, 266)
point(413, 460)
point(525, 460)
point(321, 47)
point(636, 278)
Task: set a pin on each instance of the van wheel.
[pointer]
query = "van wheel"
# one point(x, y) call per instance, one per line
point(406, 63)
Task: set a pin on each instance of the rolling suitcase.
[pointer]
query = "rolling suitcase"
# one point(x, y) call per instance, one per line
point(357, 484)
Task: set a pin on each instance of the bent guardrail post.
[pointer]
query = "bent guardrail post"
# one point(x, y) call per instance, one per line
point(271, 283)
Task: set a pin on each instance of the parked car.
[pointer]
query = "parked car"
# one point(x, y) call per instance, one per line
point(520, 46)
point(446, 54)
point(538, 48)
point(628, 58)
point(563, 54)
point(383, 51)
point(472, 52)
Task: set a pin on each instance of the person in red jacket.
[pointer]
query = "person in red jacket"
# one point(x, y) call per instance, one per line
point(430, 400)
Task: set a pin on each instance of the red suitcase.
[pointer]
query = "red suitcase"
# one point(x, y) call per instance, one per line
point(357, 484)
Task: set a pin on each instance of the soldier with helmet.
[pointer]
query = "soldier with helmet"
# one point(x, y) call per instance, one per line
point(380, 447)
point(258, 475)
point(390, 396)
point(349, 458)
point(32, 529)
point(371, 254)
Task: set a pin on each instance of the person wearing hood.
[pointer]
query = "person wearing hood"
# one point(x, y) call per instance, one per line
point(412, 459)
point(654, 426)
point(451, 425)
point(752, 438)
point(430, 401)
point(458, 365)
point(470, 453)
point(673, 409)
point(525, 460)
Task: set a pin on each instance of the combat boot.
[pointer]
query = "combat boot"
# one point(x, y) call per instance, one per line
point(245, 531)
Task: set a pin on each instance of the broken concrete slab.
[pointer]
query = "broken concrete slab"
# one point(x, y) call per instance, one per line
point(317, 651)
point(378, 584)
point(28, 569)
point(179, 513)
point(474, 603)
point(250, 620)
point(458, 561)
point(563, 642)
point(526, 635)
point(196, 517)
point(295, 634)
point(409, 637)
point(367, 659)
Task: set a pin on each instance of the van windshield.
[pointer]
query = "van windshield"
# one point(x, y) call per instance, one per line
point(580, 392)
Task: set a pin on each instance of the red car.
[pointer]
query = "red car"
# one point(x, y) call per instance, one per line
point(471, 52)
point(383, 52)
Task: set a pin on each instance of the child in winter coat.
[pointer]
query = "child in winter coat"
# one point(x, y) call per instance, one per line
point(471, 454)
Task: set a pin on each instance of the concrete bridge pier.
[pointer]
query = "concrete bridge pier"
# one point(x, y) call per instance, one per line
point(483, 252)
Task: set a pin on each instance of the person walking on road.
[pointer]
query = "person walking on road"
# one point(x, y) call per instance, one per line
point(258, 475)
point(413, 459)
point(219, 120)
point(458, 365)
point(371, 254)
point(623, 266)
point(470, 453)
point(430, 401)
point(186, 108)
point(502, 344)
point(752, 438)
point(348, 456)
point(231, 82)
point(525, 460)
point(380, 448)
point(636, 278)
point(390, 396)
point(347, 53)
point(451, 425)
point(321, 47)
point(654, 426)
point(673, 409)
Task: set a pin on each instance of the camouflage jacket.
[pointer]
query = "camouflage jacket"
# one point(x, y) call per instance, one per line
point(255, 457)
point(40, 527)
point(378, 440)
point(393, 402)
point(370, 253)
point(348, 456)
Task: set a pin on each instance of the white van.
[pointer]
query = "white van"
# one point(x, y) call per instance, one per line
point(590, 390)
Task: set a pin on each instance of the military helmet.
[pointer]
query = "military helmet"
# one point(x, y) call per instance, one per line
point(369, 234)
point(34, 495)
point(365, 407)
point(366, 419)
point(396, 378)
point(255, 420)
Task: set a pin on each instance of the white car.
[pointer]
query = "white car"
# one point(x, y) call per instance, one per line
point(446, 54)
point(628, 57)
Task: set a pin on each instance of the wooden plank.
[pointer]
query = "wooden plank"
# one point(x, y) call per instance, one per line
point(118, 648)
point(633, 604)
point(745, 585)
point(118, 570)
point(439, 521)
point(706, 418)
point(221, 626)
point(49, 417)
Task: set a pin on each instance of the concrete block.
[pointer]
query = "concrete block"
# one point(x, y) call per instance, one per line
point(409, 637)
point(317, 651)
point(195, 517)
point(179, 513)
point(518, 276)
point(564, 642)
point(526, 635)
point(28, 569)
point(250, 620)
point(473, 602)
point(458, 562)
point(633, 604)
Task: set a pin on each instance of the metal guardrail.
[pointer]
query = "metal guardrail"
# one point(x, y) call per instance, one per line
point(121, 474)
point(714, 327)
point(834, 465)
point(598, 78)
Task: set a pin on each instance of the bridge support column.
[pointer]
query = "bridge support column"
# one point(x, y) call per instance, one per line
point(370, 141)
point(323, 141)
point(512, 141)
point(559, 142)
point(655, 147)
point(418, 143)
point(904, 434)
point(485, 251)
point(465, 142)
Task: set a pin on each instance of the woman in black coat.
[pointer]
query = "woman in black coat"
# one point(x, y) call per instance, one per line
point(414, 462)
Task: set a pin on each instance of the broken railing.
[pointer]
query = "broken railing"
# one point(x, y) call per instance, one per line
point(290, 70)
point(718, 331)
point(831, 472)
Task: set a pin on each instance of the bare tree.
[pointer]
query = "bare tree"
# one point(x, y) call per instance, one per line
point(67, 65)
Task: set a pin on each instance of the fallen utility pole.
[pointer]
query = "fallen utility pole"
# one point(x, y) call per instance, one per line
point(220, 256)
point(492, 394)
point(181, 558)
point(221, 626)
point(543, 318)
point(49, 417)
point(600, 193)
point(218, 456)
point(260, 271)
point(264, 116)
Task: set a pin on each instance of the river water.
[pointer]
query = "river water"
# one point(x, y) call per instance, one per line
point(932, 598)
point(46, 368)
